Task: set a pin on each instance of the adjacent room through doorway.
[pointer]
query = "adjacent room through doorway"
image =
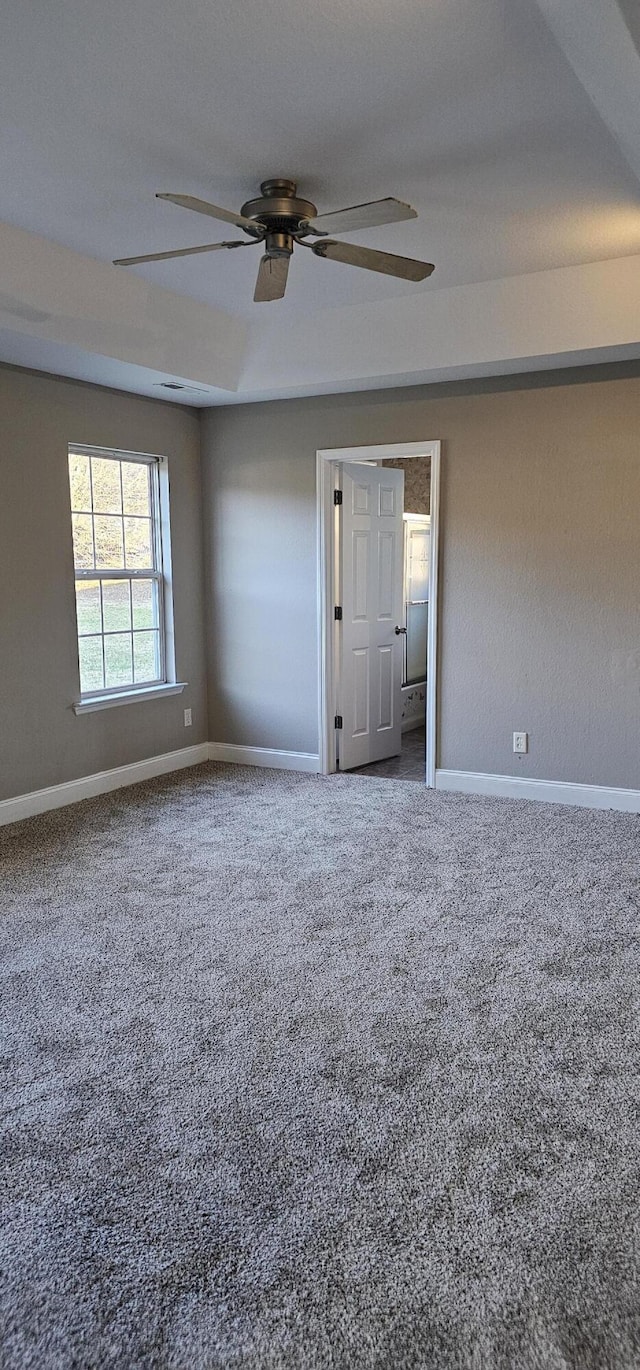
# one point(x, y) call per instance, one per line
point(378, 566)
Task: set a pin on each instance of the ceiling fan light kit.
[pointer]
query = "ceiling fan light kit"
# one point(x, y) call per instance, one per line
point(279, 219)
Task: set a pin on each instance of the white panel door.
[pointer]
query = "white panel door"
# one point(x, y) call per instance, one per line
point(371, 557)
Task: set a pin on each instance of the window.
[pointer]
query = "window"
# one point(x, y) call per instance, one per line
point(119, 579)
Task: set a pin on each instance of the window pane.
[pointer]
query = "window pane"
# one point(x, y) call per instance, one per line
point(116, 609)
point(109, 546)
point(82, 541)
point(79, 482)
point(146, 656)
point(145, 603)
point(105, 474)
point(138, 542)
point(135, 488)
point(88, 606)
point(117, 660)
point(90, 653)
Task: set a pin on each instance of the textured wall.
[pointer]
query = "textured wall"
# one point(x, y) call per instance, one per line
point(41, 740)
point(540, 590)
point(417, 482)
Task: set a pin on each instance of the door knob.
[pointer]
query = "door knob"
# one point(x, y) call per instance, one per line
point(400, 630)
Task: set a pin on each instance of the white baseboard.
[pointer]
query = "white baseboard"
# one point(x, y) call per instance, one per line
point(546, 791)
point(88, 786)
point(465, 782)
point(264, 756)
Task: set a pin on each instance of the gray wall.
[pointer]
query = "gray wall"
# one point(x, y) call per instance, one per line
point(41, 740)
point(540, 602)
point(540, 589)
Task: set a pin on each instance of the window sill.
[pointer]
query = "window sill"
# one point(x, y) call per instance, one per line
point(91, 704)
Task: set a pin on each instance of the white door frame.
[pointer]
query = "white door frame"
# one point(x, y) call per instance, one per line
point(326, 482)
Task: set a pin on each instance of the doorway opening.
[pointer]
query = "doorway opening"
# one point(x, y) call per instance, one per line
point(377, 609)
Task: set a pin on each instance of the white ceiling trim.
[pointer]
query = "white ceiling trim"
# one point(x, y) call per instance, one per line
point(59, 296)
point(69, 313)
point(570, 310)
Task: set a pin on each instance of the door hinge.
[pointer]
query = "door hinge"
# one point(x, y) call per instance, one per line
point(337, 496)
point(337, 613)
point(338, 721)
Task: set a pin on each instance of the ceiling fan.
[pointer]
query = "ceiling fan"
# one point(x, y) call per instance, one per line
point(278, 219)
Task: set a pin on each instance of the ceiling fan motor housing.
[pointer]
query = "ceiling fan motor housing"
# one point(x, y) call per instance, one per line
point(281, 212)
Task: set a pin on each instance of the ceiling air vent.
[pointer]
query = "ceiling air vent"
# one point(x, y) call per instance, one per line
point(177, 385)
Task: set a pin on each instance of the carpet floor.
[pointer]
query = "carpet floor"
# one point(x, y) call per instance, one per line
point(306, 1073)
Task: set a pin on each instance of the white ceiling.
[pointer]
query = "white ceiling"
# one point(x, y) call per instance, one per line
point(479, 114)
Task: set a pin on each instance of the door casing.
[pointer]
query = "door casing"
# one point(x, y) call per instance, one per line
point(327, 460)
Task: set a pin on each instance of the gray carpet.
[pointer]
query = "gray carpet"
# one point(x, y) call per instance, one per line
point(320, 1073)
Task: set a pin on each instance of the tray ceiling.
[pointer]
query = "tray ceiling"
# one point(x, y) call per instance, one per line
point(502, 123)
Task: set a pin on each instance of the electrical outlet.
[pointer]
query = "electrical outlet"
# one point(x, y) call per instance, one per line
point(521, 743)
point(187, 718)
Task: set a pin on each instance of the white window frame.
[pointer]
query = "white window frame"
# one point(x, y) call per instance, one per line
point(112, 696)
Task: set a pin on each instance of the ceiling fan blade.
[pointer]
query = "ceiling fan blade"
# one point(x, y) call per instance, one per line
point(389, 211)
point(180, 252)
point(388, 263)
point(214, 211)
point(272, 279)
